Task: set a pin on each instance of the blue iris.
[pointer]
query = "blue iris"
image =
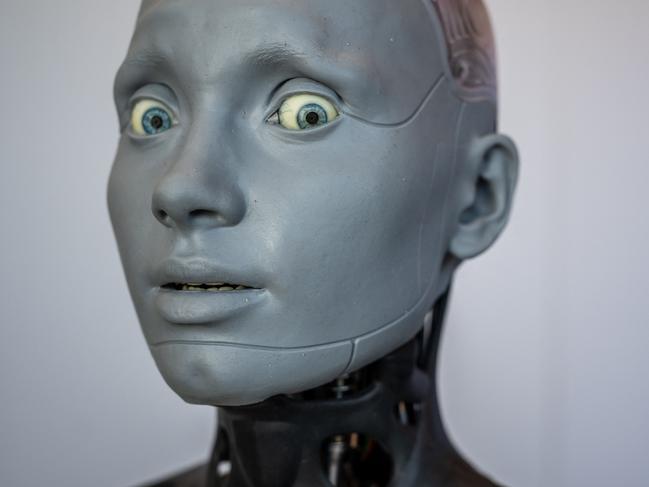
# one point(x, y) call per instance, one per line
point(311, 115)
point(156, 120)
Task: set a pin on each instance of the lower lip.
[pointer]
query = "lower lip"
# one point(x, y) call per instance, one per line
point(201, 307)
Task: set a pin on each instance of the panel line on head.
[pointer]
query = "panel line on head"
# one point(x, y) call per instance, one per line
point(420, 107)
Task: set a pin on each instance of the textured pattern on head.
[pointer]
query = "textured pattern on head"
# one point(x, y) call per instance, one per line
point(470, 48)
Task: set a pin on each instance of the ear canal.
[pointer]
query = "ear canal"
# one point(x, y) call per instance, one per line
point(494, 163)
point(484, 202)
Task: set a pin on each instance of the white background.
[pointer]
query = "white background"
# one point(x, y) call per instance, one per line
point(544, 366)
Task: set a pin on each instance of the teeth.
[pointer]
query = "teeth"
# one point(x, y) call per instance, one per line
point(211, 287)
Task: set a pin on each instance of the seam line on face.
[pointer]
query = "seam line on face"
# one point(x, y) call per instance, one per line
point(423, 218)
point(352, 340)
point(456, 143)
point(249, 346)
point(420, 107)
point(352, 356)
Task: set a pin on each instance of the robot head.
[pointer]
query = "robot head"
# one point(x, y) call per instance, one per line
point(296, 182)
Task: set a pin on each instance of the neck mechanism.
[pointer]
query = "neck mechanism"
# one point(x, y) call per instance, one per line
point(377, 427)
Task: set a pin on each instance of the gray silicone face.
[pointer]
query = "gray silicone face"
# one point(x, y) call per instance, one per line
point(340, 234)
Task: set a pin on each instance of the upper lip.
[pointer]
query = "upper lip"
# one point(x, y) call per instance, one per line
point(198, 271)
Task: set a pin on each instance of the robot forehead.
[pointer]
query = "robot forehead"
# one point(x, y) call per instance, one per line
point(465, 24)
point(382, 56)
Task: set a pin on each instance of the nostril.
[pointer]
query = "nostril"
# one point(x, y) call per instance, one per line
point(206, 216)
point(202, 214)
point(163, 217)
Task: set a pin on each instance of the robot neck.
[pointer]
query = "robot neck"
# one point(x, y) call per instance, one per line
point(377, 427)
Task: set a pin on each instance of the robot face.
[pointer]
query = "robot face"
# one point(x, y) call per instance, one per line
point(280, 195)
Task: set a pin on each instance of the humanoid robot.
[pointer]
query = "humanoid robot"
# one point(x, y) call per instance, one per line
point(295, 185)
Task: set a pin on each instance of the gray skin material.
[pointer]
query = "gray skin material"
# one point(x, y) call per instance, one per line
point(348, 231)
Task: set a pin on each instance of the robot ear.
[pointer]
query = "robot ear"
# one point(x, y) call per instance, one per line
point(492, 173)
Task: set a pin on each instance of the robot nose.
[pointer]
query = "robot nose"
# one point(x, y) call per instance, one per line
point(186, 204)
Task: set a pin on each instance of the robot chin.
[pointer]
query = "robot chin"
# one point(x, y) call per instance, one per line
point(231, 374)
point(227, 374)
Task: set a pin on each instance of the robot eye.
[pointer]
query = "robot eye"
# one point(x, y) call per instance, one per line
point(304, 112)
point(151, 117)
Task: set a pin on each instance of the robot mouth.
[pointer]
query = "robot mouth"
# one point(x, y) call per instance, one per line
point(214, 287)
